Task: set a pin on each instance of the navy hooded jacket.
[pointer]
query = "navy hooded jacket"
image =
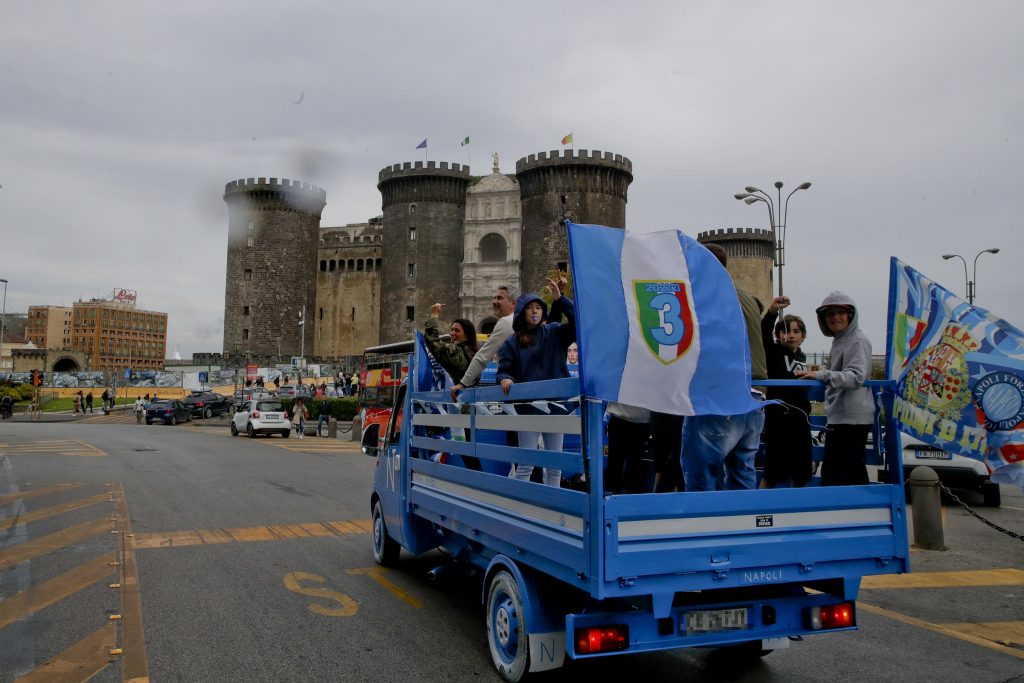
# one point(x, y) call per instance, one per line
point(545, 358)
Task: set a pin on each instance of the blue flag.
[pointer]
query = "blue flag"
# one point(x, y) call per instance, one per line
point(430, 376)
point(422, 145)
point(659, 324)
point(959, 372)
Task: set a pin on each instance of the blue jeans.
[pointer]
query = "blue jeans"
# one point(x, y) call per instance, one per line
point(712, 443)
point(320, 422)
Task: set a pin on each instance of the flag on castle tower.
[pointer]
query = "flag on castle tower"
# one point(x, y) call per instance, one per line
point(959, 373)
point(422, 145)
point(464, 142)
point(658, 323)
point(567, 140)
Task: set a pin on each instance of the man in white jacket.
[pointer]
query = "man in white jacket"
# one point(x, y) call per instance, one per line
point(503, 304)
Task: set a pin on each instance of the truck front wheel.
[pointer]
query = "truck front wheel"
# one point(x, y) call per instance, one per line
point(506, 627)
point(385, 548)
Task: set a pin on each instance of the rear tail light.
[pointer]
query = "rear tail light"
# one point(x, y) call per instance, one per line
point(831, 616)
point(255, 413)
point(199, 404)
point(597, 639)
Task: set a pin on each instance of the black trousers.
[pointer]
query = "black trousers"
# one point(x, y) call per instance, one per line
point(843, 464)
point(626, 444)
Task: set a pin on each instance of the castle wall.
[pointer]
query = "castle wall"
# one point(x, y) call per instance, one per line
point(348, 289)
point(273, 237)
point(584, 186)
point(423, 207)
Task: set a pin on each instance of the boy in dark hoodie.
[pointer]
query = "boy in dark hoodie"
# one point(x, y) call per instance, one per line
point(536, 351)
point(848, 403)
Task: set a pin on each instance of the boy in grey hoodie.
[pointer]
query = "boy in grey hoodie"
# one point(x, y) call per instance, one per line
point(848, 403)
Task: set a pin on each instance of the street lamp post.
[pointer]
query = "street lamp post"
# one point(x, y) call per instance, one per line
point(972, 281)
point(778, 213)
point(3, 322)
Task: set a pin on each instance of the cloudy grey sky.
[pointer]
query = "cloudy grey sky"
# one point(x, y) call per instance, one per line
point(120, 123)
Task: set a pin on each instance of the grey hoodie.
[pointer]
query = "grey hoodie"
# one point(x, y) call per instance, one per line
point(847, 400)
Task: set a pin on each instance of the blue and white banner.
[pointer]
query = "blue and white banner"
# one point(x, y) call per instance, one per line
point(430, 376)
point(658, 323)
point(959, 372)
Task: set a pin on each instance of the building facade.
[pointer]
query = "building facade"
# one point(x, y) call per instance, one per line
point(115, 336)
point(49, 327)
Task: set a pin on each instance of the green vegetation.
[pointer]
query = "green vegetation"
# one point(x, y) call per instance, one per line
point(342, 409)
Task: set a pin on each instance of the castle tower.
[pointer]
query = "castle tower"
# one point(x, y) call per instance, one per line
point(424, 208)
point(750, 258)
point(584, 186)
point(273, 237)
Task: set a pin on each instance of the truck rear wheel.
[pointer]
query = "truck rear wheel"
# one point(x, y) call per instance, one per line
point(506, 627)
point(385, 548)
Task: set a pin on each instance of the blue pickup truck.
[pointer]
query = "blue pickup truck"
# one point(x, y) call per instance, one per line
point(579, 574)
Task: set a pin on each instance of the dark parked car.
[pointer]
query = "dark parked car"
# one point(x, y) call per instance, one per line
point(207, 403)
point(168, 412)
point(243, 396)
point(293, 390)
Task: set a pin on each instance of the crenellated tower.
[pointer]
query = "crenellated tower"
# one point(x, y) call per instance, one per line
point(273, 237)
point(584, 186)
point(424, 208)
point(750, 258)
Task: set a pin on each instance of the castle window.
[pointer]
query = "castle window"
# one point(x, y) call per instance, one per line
point(341, 264)
point(247, 274)
point(321, 314)
point(412, 208)
point(369, 264)
point(378, 264)
point(252, 224)
point(412, 270)
point(412, 233)
point(410, 314)
point(493, 248)
point(322, 241)
point(323, 266)
point(245, 311)
point(352, 315)
point(351, 264)
point(360, 265)
point(245, 334)
point(333, 265)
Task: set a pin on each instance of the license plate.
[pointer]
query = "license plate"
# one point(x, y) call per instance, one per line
point(933, 454)
point(704, 621)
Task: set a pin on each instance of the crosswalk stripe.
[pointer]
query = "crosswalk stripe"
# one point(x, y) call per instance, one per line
point(36, 515)
point(47, 544)
point(31, 600)
point(64, 447)
point(977, 577)
point(32, 493)
point(80, 662)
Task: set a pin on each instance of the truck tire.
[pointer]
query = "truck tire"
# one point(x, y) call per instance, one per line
point(990, 490)
point(385, 548)
point(506, 627)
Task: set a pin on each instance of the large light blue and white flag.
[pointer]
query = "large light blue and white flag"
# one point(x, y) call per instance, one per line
point(959, 372)
point(658, 323)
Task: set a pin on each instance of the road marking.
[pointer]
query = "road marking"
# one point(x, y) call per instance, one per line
point(31, 600)
point(1009, 633)
point(279, 532)
point(379, 574)
point(952, 632)
point(32, 493)
point(80, 662)
point(135, 666)
point(36, 515)
point(72, 447)
point(65, 537)
point(347, 606)
point(978, 577)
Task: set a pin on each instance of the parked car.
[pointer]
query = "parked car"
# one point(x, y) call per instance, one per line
point(243, 396)
point(955, 471)
point(207, 403)
point(261, 416)
point(293, 390)
point(168, 412)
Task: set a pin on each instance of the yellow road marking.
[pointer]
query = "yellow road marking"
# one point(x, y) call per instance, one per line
point(40, 546)
point(134, 665)
point(36, 515)
point(978, 577)
point(347, 607)
point(175, 539)
point(64, 447)
point(33, 599)
point(379, 574)
point(944, 630)
point(80, 662)
point(32, 493)
point(1009, 633)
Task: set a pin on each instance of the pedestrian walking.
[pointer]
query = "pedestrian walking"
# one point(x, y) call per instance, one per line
point(77, 400)
point(323, 415)
point(106, 399)
point(140, 410)
point(88, 403)
point(299, 415)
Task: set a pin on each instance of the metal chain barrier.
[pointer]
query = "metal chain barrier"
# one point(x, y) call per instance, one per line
point(971, 512)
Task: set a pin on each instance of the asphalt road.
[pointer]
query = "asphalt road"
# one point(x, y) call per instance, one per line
point(249, 560)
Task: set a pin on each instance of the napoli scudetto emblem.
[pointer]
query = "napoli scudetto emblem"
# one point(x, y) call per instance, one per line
point(1000, 396)
point(665, 316)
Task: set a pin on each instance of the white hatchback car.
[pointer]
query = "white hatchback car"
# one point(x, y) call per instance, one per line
point(955, 471)
point(261, 416)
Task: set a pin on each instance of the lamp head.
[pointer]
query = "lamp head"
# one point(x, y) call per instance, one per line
point(946, 257)
point(804, 186)
point(742, 195)
point(752, 189)
point(778, 184)
point(752, 200)
point(993, 250)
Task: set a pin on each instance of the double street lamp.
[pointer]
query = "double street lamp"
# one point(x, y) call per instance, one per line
point(778, 212)
point(3, 321)
point(972, 281)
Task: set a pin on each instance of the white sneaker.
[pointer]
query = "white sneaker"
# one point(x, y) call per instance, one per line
point(301, 435)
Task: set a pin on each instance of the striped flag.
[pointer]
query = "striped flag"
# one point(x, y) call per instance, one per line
point(659, 324)
point(567, 140)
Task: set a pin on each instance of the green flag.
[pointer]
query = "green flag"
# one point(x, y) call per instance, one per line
point(464, 142)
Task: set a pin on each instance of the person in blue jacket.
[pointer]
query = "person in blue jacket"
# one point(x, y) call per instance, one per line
point(536, 351)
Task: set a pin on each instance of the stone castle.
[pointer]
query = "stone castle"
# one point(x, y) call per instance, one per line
point(444, 236)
